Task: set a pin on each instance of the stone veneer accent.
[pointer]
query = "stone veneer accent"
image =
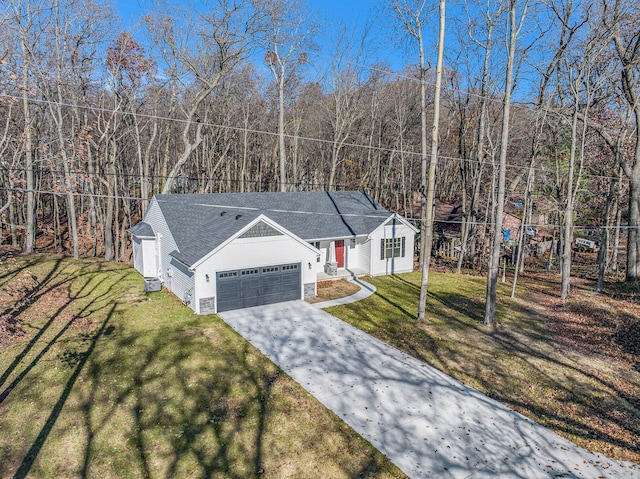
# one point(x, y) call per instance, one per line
point(309, 290)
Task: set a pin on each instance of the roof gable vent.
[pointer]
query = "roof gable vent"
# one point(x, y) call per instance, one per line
point(261, 229)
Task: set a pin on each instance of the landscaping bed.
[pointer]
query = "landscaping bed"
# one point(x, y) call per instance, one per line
point(334, 289)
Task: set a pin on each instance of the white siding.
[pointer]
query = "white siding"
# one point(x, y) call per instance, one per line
point(164, 240)
point(149, 258)
point(350, 256)
point(137, 255)
point(324, 255)
point(392, 265)
point(253, 252)
point(363, 248)
point(181, 282)
point(357, 257)
point(145, 256)
point(353, 253)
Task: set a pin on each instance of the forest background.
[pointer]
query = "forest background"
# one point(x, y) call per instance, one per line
point(97, 115)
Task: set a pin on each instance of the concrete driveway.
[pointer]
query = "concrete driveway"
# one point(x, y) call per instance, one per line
point(425, 422)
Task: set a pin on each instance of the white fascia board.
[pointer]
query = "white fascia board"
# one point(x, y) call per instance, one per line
point(164, 226)
point(267, 220)
point(332, 238)
point(180, 261)
point(398, 218)
point(153, 201)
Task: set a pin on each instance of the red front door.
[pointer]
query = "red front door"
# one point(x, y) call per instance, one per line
point(340, 253)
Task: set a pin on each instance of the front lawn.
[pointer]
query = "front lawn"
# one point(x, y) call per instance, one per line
point(98, 379)
point(572, 365)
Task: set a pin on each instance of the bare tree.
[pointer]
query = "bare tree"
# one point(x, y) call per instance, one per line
point(624, 22)
point(413, 15)
point(427, 216)
point(514, 24)
point(474, 170)
point(346, 92)
point(207, 48)
point(287, 33)
point(25, 19)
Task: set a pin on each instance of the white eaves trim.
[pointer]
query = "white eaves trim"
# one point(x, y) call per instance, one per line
point(396, 217)
point(267, 220)
point(332, 238)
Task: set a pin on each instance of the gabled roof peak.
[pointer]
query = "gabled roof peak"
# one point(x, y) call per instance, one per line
point(200, 223)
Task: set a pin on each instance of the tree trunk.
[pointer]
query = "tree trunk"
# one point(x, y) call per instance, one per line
point(431, 180)
point(567, 235)
point(603, 253)
point(28, 145)
point(108, 221)
point(494, 255)
point(523, 228)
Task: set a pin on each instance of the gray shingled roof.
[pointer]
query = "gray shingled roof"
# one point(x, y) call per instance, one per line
point(142, 230)
point(201, 222)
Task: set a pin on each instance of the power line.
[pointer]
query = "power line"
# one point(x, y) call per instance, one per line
point(298, 137)
point(179, 176)
point(292, 183)
point(74, 193)
point(214, 125)
point(452, 222)
point(203, 179)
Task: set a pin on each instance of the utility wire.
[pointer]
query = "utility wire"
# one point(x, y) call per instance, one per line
point(241, 208)
point(74, 193)
point(295, 137)
point(188, 177)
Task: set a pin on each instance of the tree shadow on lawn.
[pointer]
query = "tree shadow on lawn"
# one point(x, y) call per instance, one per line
point(57, 278)
point(572, 385)
point(196, 406)
point(84, 292)
point(24, 288)
point(146, 393)
point(524, 344)
point(54, 279)
point(34, 450)
point(14, 267)
point(472, 308)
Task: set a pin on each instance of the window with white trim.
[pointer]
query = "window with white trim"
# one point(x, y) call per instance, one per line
point(392, 247)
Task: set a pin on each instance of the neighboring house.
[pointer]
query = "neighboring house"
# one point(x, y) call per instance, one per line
point(512, 223)
point(226, 251)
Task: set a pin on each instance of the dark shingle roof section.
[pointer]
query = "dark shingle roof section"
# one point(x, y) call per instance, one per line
point(142, 230)
point(201, 222)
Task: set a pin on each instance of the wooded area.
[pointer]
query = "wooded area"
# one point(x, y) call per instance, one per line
point(94, 119)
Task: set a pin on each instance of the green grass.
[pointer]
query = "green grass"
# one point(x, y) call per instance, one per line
point(556, 378)
point(109, 382)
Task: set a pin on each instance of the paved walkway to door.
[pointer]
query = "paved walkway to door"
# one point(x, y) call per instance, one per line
point(425, 422)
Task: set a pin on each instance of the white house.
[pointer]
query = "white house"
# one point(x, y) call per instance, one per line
point(226, 251)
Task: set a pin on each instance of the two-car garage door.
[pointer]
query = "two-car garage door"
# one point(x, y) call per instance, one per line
point(243, 288)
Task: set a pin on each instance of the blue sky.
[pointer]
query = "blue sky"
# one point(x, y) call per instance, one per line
point(354, 13)
point(387, 47)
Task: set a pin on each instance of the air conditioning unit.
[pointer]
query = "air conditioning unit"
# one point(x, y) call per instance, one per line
point(152, 285)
